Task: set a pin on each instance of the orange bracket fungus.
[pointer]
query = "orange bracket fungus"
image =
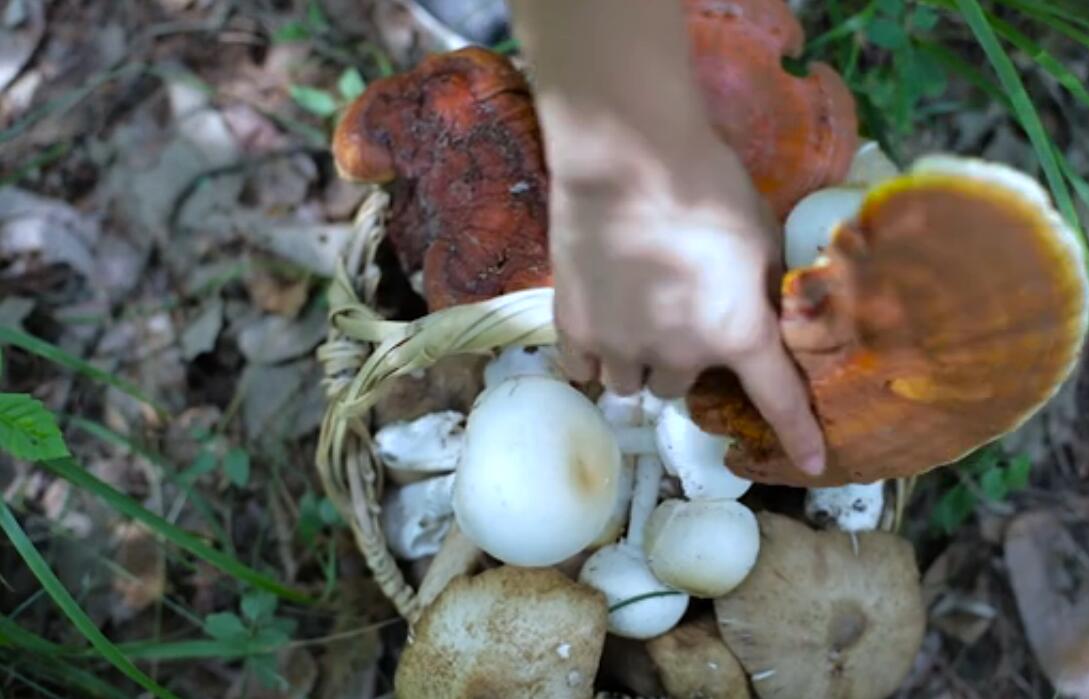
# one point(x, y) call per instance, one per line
point(457, 140)
point(940, 317)
point(794, 134)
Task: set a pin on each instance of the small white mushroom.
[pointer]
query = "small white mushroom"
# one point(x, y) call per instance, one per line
point(522, 361)
point(870, 166)
point(696, 457)
point(855, 507)
point(809, 226)
point(640, 605)
point(431, 443)
point(704, 547)
point(415, 518)
point(540, 472)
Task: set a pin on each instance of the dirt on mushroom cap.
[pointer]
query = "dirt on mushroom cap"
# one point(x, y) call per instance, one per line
point(943, 316)
point(508, 632)
point(815, 620)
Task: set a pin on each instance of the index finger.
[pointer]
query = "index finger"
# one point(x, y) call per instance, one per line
point(775, 387)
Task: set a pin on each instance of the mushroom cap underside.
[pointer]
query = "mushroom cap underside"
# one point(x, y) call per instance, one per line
point(940, 318)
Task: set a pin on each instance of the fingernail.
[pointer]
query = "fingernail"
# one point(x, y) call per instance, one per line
point(813, 465)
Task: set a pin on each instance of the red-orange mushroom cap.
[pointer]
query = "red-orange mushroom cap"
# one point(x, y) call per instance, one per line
point(457, 137)
point(945, 314)
point(794, 134)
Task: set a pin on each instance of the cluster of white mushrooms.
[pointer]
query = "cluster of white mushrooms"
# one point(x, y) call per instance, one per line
point(609, 516)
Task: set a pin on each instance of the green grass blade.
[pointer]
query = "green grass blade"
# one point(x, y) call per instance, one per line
point(1055, 22)
point(176, 651)
point(74, 474)
point(46, 350)
point(1045, 60)
point(71, 609)
point(46, 663)
point(200, 504)
point(1022, 107)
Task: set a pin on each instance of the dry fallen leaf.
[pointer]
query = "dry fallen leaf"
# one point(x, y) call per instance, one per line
point(277, 293)
point(143, 578)
point(1049, 574)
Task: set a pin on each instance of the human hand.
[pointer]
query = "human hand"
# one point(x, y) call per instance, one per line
point(665, 267)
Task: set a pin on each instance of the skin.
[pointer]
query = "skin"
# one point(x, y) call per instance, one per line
point(665, 257)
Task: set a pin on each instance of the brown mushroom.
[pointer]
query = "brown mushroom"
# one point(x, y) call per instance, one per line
point(941, 317)
point(694, 663)
point(507, 632)
point(815, 619)
point(794, 134)
point(457, 138)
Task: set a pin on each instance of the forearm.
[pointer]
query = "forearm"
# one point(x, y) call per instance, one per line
point(611, 77)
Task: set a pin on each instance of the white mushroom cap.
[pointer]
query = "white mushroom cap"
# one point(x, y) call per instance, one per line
point(619, 516)
point(696, 457)
point(522, 361)
point(620, 572)
point(431, 443)
point(416, 517)
point(540, 473)
point(852, 508)
point(704, 547)
point(870, 166)
point(809, 225)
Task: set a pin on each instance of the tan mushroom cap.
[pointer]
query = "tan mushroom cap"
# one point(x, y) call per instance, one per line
point(815, 620)
point(694, 663)
point(940, 318)
point(508, 632)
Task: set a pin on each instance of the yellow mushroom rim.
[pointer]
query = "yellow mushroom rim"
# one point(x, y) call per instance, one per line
point(944, 315)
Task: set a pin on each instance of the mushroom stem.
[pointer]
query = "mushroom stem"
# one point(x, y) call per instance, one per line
point(648, 478)
point(639, 441)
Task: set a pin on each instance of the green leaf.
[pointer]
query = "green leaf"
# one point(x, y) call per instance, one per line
point(1017, 473)
point(225, 626)
point(291, 31)
point(205, 462)
point(269, 637)
point(266, 669)
point(258, 605)
point(954, 507)
point(28, 430)
point(931, 74)
point(1023, 107)
point(309, 523)
point(236, 464)
point(315, 17)
point(71, 608)
point(351, 84)
point(924, 18)
point(45, 350)
point(887, 34)
point(68, 469)
point(329, 514)
point(314, 100)
point(993, 484)
point(894, 8)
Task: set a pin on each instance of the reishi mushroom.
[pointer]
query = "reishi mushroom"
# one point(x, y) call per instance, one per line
point(814, 619)
point(943, 315)
point(794, 134)
point(457, 140)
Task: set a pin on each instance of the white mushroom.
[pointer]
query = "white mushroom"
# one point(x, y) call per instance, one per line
point(640, 605)
point(855, 507)
point(522, 361)
point(416, 517)
point(870, 166)
point(696, 457)
point(704, 547)
point(429, 444)
point(809, 225)
point(540, 472)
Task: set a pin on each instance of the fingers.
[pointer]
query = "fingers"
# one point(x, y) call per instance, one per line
point(668, 383)
point(620, 375)
point(774, 385)
point(576, 364)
